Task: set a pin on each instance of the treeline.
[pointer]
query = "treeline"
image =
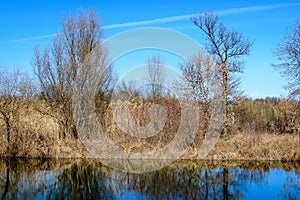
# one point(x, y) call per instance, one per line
point(263, 115)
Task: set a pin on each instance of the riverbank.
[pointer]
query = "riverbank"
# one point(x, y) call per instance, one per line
point(34, 164)
point(256, 146)
point(241, 146)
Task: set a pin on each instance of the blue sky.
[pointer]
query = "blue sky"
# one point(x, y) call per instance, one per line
point(25, 24)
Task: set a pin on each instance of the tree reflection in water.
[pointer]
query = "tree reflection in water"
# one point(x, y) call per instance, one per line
point(87, 179)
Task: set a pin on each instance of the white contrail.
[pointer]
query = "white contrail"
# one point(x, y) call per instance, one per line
point(149, 22)
point(164, 20)
point(186, 17)
point(256, 8)
point(32, 38)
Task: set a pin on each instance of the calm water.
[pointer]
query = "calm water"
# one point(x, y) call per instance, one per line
point(87, 179)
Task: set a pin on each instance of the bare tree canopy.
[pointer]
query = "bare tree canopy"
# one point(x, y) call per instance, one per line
point(155, 76)
point(198, 72)
point(16, 90)
point(226, 47)
point(58, 65)
point(128, 89)
point(288, 54)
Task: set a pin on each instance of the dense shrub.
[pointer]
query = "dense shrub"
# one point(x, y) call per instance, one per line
point(270, 114)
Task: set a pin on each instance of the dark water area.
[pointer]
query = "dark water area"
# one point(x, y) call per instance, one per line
point(89, 179)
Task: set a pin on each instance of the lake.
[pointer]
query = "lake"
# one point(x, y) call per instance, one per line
point(189, 179)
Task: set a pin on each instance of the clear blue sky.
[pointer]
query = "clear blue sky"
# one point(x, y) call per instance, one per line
point(26, 23)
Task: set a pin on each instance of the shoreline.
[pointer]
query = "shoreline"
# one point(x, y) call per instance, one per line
point(236, 147)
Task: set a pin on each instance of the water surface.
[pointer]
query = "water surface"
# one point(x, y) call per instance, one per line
point(89, 179)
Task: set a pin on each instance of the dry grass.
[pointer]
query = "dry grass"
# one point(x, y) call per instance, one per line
point(38, 137)
point(257, 146)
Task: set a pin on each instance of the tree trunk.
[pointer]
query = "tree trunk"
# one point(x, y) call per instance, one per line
point(8, 130)
point(225, 95)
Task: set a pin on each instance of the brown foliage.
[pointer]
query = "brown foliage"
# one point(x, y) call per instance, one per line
point(37, 136)
point(139, 113)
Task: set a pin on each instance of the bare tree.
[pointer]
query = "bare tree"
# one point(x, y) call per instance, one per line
point(57, 67)
point(199, 72)
point(288, 53)
point(155, 75)
point(128, 89)
point(16, 90)
point(227, 46)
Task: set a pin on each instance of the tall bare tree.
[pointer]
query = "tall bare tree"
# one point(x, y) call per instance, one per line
point(155, 75)
point(288, 53)
point(58, 66)
point(227, 47)
point(16, 91)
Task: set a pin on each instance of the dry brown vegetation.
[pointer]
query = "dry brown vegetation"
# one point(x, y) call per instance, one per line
point(139, 114)
point(255, 146)
point(38, 136)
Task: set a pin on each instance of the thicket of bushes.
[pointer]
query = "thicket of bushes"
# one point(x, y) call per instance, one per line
point(267, 115)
